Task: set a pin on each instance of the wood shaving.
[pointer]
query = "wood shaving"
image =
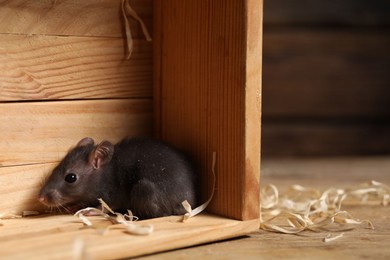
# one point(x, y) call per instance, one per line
point(9, 215)
point(125, 220)
point(193, 212)
point(329, 238)
point(127, 10)
point(27, 213)
point(84, 219)
point(12, 215)
point(105, 206)
point(139, 230)
point(304, 208)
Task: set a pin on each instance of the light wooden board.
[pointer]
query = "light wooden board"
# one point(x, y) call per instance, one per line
point(320, 173)
point(72, 17)
point(210, 104)
point(36, 67)
point(253, 102)
point(54, 237)
point(41, 132)
point(19, 187)
point(326, 172)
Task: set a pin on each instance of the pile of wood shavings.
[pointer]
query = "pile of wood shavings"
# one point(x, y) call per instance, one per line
point(304, 208)
point(126, 220)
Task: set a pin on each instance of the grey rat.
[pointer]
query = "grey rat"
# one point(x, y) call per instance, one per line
point(145, 176)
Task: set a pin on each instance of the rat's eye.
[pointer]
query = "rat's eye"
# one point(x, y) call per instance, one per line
point(71, 177)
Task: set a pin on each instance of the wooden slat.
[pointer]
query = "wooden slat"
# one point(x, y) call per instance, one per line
point(51, 67)
point(19, 187)
point(53, 241)
point(305, 138)
point(205, 73)
point(250, 189)
point(329, 12)
point(41, 132)
point(326, 73)
point(72, 17)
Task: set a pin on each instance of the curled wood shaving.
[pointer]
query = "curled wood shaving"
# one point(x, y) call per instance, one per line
point(127, 10)
point(84, 219)
point(105, 206)
point(193, 212)
point(303, 208)
point(126, 220)
point(371, 192)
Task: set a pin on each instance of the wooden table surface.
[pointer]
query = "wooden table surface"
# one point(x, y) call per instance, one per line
point(321, 173)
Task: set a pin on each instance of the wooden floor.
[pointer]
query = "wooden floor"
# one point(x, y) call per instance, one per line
point(323, 173)
point(55, 237)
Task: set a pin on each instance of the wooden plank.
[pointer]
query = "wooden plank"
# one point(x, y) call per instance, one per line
point(19, 187)
point(340, 172)
point(326, 73)
point(330, 12)
point(320, 173)
point(72, 17)
point(324, 138)
point(59, 243)
point(355, 244)
point(251, 179)
point(203, 109)
point(41, 132)
point(51, 67)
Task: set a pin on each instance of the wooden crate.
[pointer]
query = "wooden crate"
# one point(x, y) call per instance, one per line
point(64, 76)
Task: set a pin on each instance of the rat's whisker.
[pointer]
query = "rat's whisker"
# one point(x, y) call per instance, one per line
point(60, 207)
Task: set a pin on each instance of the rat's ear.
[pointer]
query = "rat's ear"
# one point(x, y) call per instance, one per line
point(86, 141)
point(101, 154)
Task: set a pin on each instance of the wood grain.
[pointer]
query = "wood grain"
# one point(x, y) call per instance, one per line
point(326, 73)
point(19, 187)
point(251, 179)
point(51, 67)
point(330, 12)
point(203, 107)
point(361, 243)
point(42, 132)
point(72, 17)
point(56, 237)
point(320, 173)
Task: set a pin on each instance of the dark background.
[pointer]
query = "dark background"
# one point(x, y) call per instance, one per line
point(326, 78)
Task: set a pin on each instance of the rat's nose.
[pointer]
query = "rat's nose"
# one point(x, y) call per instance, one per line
point(48, 197)
point(42, 199)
